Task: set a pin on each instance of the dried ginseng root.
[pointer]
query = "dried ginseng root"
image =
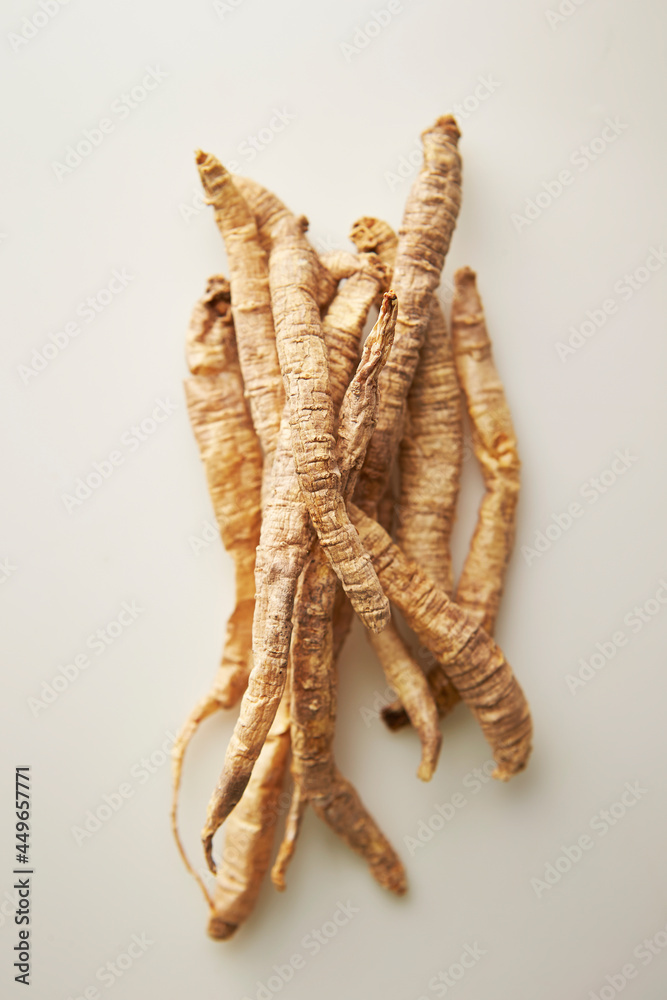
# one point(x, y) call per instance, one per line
point(295, 278)
point(232, 461)
point(251, 301)
point(494, 442)
point(428, 223)
point(429, 219)
point(405, 676)
point(285, 541)
point(313, 709)
point(430, 458)
point(303, 362)
point(431, 448)
point(250, 833)
point(472, 660)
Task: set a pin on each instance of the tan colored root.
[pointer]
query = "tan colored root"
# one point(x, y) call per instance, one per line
point(431, 448)
point(313, 708)
point(250, 833)
point(295, 815)
point(285, 540)
point(494, 442)
point(430, 457)
point(205, 708)
point(303, 362)
point(470, 658)
point(408, 680)
point(428, 223)
point(251, 301)
point(405, 676)
point(233, 464)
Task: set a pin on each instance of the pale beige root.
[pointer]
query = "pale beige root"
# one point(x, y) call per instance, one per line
point(313, 707)
point(407, 679)
point(404, 674)
point(430, 458)
point(205, 708)
point(298, 283)
point(285, 540)
point(297, 809)
point(232, 461)
point(251, 301)
point(431, 448)
point(471, 659)
point(250, 833)
point(494, 442)
point(428, 223)
point(303, 362)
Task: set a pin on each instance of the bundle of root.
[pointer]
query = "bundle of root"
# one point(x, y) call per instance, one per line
point(304, 429)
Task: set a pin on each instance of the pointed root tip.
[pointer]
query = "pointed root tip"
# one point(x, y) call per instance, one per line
point(505, 771)
point(219, 929)
point(429, 761)
point(200, 156)
point(278, 880)
point(426, 770)
point(464, 274)
point(395, 880)
point(448, 124)
point(207, 844)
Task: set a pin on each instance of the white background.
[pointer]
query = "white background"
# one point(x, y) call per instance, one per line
point(356, 114)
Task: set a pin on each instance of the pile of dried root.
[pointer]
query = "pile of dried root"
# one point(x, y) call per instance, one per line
point(300, 431)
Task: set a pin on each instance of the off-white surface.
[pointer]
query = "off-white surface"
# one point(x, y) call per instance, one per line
point(124, 207)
